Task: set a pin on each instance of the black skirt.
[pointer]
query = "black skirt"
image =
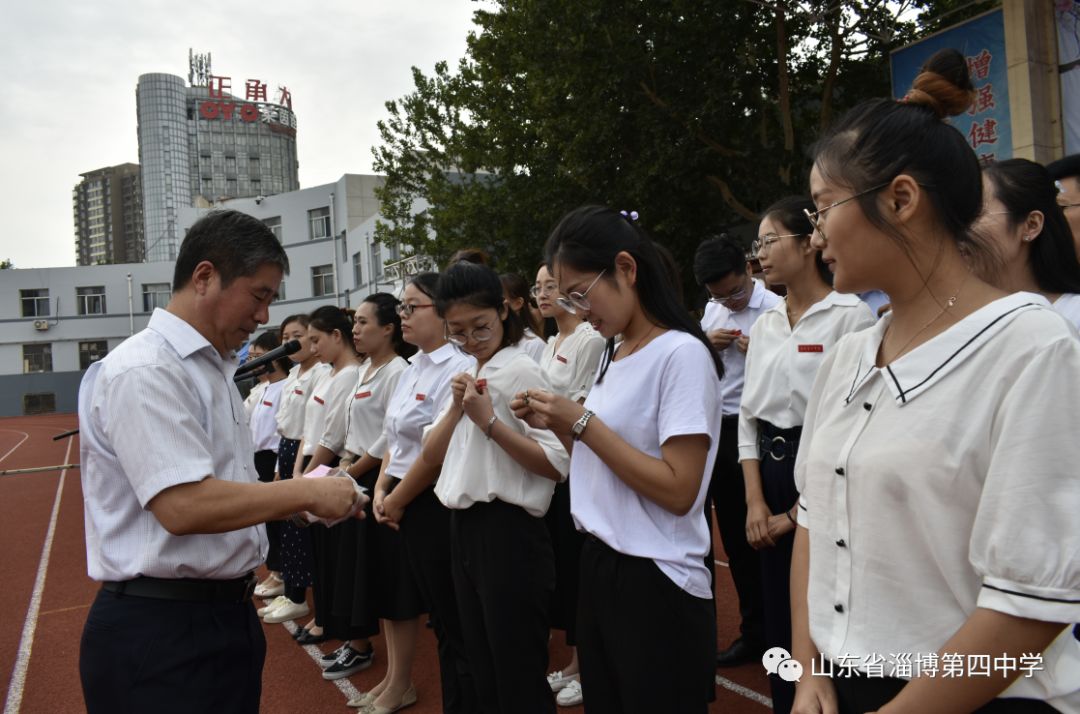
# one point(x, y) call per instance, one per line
point(396, 594)
point(566, 542)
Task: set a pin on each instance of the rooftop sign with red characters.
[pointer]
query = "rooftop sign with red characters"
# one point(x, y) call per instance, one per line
point(221, 104)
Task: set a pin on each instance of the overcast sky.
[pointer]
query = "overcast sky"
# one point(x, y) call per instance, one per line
point(68, 103)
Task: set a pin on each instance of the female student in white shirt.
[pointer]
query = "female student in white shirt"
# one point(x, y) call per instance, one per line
point(516, 291)
point(497, 478)
point(265, 399)
point(938, 532)
point(787, 345)
point(373, 579)
point(404, 497)
point(646, 436)
point(1032, 240)
point(330, 335)
point(296, 563)
point(570, 359)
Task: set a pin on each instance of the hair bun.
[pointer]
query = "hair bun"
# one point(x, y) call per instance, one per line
point(943, 85)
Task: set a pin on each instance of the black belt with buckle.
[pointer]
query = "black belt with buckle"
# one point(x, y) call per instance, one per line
point(779, 444)
point(189, 589)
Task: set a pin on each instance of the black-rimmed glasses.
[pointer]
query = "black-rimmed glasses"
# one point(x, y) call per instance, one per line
point(406, 309)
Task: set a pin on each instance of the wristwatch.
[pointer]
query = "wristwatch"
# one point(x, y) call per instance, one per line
point(579, 426)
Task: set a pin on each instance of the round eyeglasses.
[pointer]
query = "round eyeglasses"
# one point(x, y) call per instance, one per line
point(480, 334)
point(545, 289)
point(578, 301)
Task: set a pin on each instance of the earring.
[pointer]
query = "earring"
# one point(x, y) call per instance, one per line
point(1028, 238)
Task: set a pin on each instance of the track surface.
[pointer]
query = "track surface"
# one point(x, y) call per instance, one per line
point(45, 678)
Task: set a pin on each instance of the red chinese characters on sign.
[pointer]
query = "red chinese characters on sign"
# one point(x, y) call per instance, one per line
point(219, 86)
point(285, 97)
point(255, 91)
point(979, 65)
point(984, 132)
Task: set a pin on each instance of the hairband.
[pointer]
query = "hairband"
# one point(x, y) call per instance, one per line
point(631, 216)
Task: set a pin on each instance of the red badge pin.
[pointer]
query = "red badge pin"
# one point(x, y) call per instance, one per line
point(480, 385)
point(421, 397)
point(811, 348)
point(561, 359)
point(318, 400)
point(298, 391)
point(362, 395)
point(268, 404)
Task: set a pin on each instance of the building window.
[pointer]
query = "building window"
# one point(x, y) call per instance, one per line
point(357, 269)
point(376, 261)
point(37, 358)
point(274, 224)
point(35, 303)
point(319, 219)
point(90, 352)
point(43, 403)
point(155, 295)
point(322, 280)
point(90, 301)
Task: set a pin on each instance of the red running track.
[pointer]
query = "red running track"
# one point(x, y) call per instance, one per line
point(291, 679)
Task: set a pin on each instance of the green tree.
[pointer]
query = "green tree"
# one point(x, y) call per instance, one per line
point(697, 115)
point(6, 264)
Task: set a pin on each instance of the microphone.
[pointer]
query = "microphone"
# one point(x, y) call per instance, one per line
point(244, 370)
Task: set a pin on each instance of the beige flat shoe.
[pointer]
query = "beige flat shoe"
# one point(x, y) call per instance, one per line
point(364, 701)
point(407, 700)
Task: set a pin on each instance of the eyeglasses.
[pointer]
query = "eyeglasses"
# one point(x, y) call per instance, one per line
point(406, 309)
point(480, 334)
point(578, 301)
point(1065, 206)
point(538, 290)
point(735, 296)
point(815, 216)
point(763, 244)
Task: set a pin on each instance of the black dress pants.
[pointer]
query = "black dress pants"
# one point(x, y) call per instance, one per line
point(425, 534)
point(645, 645)
point(171, 657)
point(504, 575)
point(727, 494)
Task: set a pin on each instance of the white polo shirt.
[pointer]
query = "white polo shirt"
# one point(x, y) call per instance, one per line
point(476, 469)
point(325, 411)
point(367, 407)
point(947, 481)
point(158, 411)
point(719, 317)
point(532, 344)
point(263, 416)
point(783, 360)
point(668, 388)
point(572, 369)
point(294, 397)
point(423, 390)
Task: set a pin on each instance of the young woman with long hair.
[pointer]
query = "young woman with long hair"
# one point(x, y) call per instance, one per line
point(497, 478)
point(642, 443)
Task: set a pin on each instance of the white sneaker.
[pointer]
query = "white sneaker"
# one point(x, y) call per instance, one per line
point(279, 600)
point(570, 696)
point(271, 587)
point(558, 682)
point(288, 611)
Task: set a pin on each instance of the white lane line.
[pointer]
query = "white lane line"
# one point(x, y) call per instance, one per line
point(316, 654)
point(22, 661)
point(25, 436)
point(744, 691)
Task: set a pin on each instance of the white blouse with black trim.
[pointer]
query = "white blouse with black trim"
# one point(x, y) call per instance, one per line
point(944, 482)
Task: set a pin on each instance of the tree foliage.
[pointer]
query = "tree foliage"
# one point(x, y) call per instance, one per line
point(695, 114)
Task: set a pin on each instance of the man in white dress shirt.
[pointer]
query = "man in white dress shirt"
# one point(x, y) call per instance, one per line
point(173, 508)
point(735, 302)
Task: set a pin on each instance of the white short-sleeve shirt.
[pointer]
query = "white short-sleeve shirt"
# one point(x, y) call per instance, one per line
point(946, 481)
point(782, 361)
point(572, 368)
point(294, 398)
point(325, 410)
point(717, 317)
point(367, 407)
point(476, 469)
point(159, 411)
point(263, 416)
point(253, 397)
point(423, 390)
point(668, 388)
point(532, 344)
point(1068, 306)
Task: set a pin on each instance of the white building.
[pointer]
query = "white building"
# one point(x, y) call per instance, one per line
point(59, 320)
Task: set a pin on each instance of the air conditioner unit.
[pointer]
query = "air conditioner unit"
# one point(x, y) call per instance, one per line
point(41, 325)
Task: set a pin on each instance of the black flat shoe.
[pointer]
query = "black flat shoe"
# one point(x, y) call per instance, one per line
point(740, 652)
point(306, 638)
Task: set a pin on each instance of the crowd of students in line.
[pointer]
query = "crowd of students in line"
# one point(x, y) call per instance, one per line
point(883, 422)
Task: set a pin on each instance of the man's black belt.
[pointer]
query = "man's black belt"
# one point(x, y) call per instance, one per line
point(189, 589)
